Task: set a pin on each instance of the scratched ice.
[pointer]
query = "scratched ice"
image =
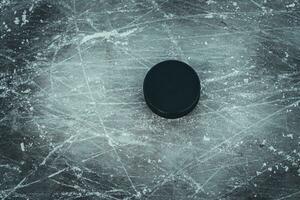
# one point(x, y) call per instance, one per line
point(74, 124)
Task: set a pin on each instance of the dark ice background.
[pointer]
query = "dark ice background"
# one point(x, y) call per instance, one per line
point(74, 124)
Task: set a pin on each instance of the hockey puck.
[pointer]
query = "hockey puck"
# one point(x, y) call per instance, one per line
point(171, 89)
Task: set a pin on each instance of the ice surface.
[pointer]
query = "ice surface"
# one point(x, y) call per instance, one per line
point(74, 124)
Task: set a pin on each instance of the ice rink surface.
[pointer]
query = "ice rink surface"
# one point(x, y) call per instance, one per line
point(74, 124)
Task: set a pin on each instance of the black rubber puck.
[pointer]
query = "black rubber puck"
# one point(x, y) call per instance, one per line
point(171, 89)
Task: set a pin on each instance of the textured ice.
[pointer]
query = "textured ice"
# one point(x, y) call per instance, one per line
point(74, 124)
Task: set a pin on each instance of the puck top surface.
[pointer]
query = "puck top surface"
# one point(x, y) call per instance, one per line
point(171, 89)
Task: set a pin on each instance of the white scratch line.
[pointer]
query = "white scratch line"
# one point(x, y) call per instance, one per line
point(15, 188)
point(56, 173)
point(107, 35)
point(288, 196)
point(211, 177)
point(55, 149)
